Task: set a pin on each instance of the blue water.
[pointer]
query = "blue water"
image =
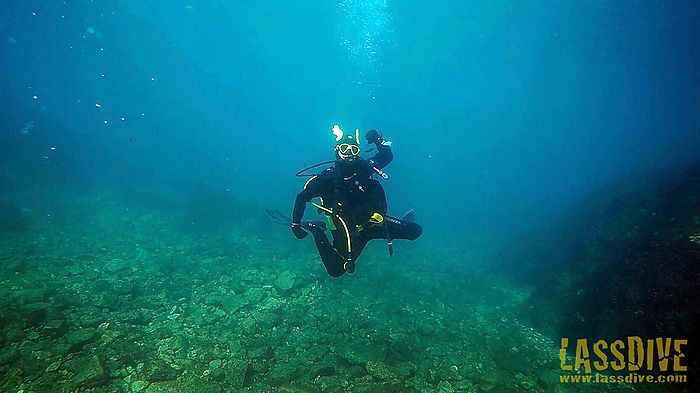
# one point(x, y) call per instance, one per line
point(506, 112)
point(503, 114)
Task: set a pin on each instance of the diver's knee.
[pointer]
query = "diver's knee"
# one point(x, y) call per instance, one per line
point(335, 273)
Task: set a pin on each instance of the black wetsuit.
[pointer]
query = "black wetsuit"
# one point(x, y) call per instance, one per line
point(350, 196)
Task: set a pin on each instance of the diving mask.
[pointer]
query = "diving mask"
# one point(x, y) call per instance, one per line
point(348, 149)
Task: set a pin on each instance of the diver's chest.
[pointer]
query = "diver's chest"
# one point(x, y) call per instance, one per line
point(350, 191)
point(354, 188)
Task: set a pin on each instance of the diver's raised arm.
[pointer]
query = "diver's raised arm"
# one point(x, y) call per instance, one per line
point(384, 154)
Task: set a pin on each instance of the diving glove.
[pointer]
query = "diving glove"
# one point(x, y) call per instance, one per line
point(298, 231)
point(373, 137)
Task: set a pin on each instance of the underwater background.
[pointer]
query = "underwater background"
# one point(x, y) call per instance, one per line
point(550, 150)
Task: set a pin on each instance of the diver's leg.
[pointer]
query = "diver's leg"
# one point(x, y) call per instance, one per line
point(357, 244)
point(394, 228)
point(340, 244)
point(329, 255)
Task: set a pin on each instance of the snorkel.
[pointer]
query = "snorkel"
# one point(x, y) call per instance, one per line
point(347, 146)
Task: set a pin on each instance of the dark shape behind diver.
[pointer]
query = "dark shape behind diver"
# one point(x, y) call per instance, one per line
point(352, 200)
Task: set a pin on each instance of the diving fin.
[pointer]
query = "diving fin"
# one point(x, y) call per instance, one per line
point(409, 216)
point(278, 217)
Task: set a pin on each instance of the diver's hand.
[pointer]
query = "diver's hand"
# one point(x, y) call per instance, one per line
point(373, 137)
point(298, 231)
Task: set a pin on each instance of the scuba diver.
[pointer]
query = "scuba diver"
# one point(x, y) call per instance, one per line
point(352, 200)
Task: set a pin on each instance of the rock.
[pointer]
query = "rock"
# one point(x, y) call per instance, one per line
point(8, 355)
point(267, 320)
point(211, 318)
point(158, 370)
point(124, 287)
point(273, 305)
point(446, 371)
point(133, 317)
point(380, 371)
point(90, 321)
point(249, 326)
point(406, 369)
point(231, 304)
point(254, 295)
point(184, 385)
point(78, 339)
point(33, 295)
point(163, 387)
point(361, 352)
point(547, 376)
point(418, 384)
point(88, 372)
point(217, 375)
point(14, 333)
point(116, 265)
point(11, 380)
point(180, 345)
point(494, 380)
point(260, 353)
point(445, 387)
point(137, 386)
point(53, 366)
point(237, 373)
point(282, 374)
point(326, 371)
point(315, 353)
point(36, 313)
point(466, 385)
point(56, 327)
point(214, 299)
point(285, 280)
point(529, 383)
point(513, 364)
